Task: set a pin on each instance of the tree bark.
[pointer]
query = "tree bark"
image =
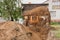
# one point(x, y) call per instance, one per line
point(12, 19)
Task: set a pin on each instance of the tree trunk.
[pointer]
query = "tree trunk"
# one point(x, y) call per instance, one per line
point(12, 19)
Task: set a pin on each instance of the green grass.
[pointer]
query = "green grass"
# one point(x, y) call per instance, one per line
point(55, 26)
point(57, 33)
point(55, 23)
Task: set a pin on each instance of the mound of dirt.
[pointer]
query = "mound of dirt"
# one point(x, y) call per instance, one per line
point(2, 23)
point(14, 31)
point(38, 33)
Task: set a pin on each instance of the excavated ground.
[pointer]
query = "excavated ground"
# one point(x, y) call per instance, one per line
point(14, 31)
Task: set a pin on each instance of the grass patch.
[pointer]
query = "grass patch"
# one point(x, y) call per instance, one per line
point(55, 23)
point(58, 26)
point(57, 34)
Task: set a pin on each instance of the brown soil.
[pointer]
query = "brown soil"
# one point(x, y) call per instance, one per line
point(14, 31)
point(2, 23)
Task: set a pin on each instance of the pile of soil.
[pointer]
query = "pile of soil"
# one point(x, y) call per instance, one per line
point(37, 16)
point(14, 31)
point(2, 23)
point(38, 33)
